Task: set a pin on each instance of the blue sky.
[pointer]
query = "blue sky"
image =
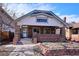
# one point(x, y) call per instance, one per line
point(66, 8)
point(70, 10)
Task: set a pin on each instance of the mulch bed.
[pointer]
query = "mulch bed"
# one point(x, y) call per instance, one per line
point(62, 52)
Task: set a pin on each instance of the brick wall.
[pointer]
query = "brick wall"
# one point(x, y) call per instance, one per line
point(16, 35)
point(50, 37)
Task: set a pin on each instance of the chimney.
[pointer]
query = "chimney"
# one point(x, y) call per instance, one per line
point(64, 19)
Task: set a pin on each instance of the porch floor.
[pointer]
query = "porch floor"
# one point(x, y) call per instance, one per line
point(26, 41)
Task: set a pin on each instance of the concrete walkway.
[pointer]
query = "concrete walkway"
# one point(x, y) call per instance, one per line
point(25, 49)
point(26, 41)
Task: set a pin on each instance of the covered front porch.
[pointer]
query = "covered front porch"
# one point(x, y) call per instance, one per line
point(44, 33)
point(30, 30)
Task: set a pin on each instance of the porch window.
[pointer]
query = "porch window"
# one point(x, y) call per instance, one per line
point(47, 30)
point(41, 20)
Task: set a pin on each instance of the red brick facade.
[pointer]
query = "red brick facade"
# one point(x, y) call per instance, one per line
point(16, 35)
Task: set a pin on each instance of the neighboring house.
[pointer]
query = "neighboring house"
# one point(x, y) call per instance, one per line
point(6, 21)
point(7, 27)
point(41, 22)
point(74, 31)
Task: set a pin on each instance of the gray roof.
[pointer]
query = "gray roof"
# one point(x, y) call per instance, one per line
point(45, 12)
point(74, 25)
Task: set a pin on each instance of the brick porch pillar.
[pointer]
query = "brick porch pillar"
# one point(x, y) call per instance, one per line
point(68, 33)
point(34, 38)
point(16, 35)
point(63, 31)
point(57, 31)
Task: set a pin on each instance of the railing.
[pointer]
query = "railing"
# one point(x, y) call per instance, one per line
point(50, 38)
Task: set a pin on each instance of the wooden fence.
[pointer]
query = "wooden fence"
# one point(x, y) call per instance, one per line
point(6, 37)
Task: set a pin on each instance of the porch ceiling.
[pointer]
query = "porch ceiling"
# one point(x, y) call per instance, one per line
point(45, 26)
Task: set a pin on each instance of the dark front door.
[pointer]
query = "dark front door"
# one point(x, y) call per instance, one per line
point(35, 29)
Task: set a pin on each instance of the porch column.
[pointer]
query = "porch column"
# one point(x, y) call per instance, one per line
point(63, 31)
point(16, 35)
point(34, 38)
point(58, 31)
point(68, 33)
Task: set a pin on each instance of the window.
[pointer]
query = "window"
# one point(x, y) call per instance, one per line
point(75, 31)
point(47, 30)
point(41, 20)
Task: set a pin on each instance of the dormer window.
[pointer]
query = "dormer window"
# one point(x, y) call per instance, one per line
point(41, 20)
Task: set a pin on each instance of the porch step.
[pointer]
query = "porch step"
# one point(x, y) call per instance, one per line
point(26, 41)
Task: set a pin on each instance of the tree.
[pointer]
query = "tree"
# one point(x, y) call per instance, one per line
point(12, 13)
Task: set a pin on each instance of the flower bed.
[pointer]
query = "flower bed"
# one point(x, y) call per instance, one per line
point(58, 49)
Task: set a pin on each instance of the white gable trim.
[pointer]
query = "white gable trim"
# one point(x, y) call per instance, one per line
point(43, 13)
point(51, 21)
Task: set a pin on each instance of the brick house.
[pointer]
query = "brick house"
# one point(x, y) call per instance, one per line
point(7, 24)
point(73, 31)
point(41, 22)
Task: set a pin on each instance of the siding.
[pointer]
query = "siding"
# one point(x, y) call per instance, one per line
point(31, 20)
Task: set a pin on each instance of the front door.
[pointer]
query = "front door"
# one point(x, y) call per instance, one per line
point(24, 32)
point(36, 29)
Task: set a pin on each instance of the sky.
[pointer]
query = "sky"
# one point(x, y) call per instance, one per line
point(68, 10)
